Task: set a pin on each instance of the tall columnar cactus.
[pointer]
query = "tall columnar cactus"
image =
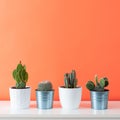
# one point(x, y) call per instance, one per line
point(45, 86)
point(20, 75)
point(100, 84)
point(70, 80)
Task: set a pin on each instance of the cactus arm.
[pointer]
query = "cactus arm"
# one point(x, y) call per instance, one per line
point(19, 66)
point(90, 85)
point(17, 78)
point(24, 67)
point(96, 80)
point(102, 83)
point(98, 87)
point(75, 83)
point(73, 74)
point(14, 73)
point(106, 81)
point(21, 75)
point(26, 77)
point(71, 79)
point(66, 82)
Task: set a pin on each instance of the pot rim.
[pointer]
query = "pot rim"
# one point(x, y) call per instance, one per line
point(62, 87)
point(44, 91)
point(13, 87)
point(105, 90)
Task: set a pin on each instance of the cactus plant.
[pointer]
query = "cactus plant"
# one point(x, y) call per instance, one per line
point(45, 86)
point(100, 84)
point(20, 75)
point(70, 80)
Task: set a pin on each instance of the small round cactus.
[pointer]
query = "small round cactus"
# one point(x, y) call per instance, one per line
point(45, 86)
point(20, 75)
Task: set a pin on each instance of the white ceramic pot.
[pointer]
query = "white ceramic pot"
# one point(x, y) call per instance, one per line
point(20, 98)
point(70, 98)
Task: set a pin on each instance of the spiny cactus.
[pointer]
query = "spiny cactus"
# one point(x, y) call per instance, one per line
point(20, 75)
point(70, 80)
point(100, 84)
point(45, 86)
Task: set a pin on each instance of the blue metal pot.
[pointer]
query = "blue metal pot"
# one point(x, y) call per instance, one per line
point(99, 100)
point(44, 99)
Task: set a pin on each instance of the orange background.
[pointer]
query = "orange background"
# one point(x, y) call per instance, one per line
point(53, 37)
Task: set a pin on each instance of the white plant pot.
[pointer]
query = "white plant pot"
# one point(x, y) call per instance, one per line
point(20, 98)
point(70, 98)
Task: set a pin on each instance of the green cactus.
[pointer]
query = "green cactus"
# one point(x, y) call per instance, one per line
point(70, 80)
point(99, 86)
point(20, 75)
point(45, 86)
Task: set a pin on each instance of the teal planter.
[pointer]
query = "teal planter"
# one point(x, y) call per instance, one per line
point(44, 99)
point(99, 100)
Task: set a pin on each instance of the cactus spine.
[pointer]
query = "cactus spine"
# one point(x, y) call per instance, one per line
point(70, 80)
point(100, 84)
point(20, 75)
point(45, 86)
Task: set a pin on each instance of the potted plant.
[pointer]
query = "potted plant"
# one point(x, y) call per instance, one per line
point(70, 93)
point(44, 95)
point(20, 93)
point(98, 93)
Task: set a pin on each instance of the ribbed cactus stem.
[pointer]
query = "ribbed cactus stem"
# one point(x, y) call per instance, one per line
point(73, 74)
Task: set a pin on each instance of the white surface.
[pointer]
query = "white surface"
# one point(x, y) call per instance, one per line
point(83, 113)
point(70, 98)
point(20, 98)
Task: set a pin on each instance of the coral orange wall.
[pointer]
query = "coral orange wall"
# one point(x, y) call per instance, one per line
point(54, 36)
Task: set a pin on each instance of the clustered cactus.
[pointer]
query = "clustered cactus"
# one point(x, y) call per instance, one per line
point(20, 75)
point(100, 84)
point(45, 86)
point(70, 80)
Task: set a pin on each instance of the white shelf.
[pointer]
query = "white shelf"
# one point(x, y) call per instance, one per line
point(83, 113)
